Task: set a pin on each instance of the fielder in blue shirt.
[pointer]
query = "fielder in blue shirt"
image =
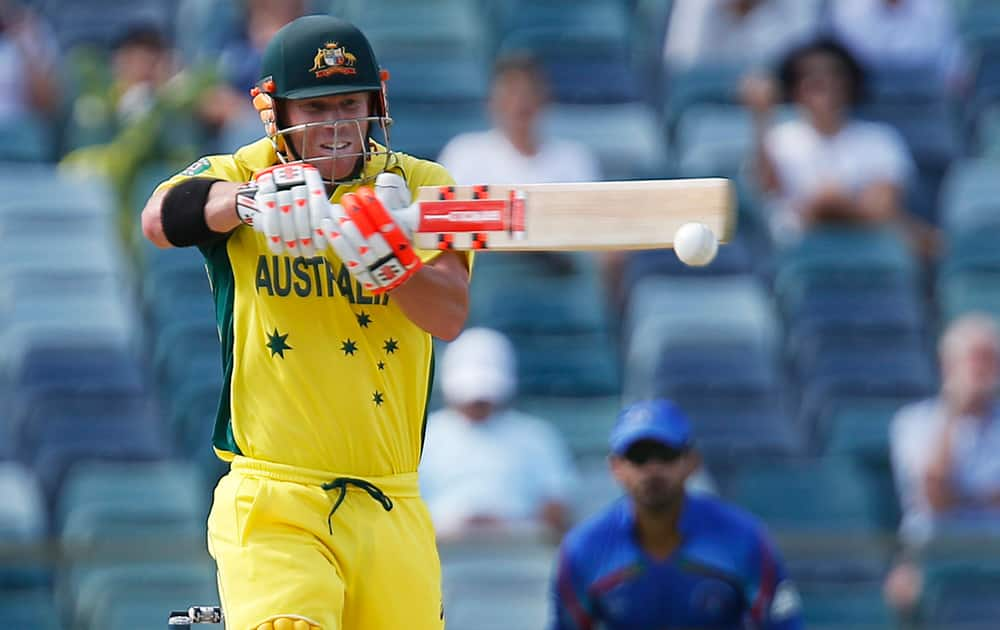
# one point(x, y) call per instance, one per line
point(660, 558)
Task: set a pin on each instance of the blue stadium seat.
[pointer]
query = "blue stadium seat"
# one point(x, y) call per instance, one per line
point(389, 24)
point(23, 523)
point(738, 425)
point(714, 83)
point(422, 129)
point(110, 416)
point(29, 139)
point(847, 605)
point(29, 609)
point(713, 312)
point(734, 258)
point(625, 137)
point(93, 485)
point(102, 21)
point(712, 140)
point(969, 195)
point(141, 594)
point(606, 19)
point(961, 594)
point(584, 422)
point(827, 496)
point(545, 301)
point(969, 292)
point(418, 76)
point(567, 365)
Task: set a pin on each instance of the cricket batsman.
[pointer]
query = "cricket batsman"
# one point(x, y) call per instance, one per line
point(325, 313)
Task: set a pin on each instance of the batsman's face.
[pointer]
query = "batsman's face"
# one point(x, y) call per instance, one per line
point(340, 141)
point(653, 474)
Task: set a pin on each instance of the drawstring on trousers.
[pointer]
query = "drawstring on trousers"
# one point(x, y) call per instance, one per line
point(341, 483)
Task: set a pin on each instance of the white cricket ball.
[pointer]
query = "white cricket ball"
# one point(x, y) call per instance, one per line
point(695, 244)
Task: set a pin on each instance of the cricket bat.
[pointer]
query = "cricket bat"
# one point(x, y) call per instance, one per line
point(616, 215)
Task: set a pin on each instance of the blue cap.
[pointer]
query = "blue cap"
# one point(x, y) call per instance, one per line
point(659, 420)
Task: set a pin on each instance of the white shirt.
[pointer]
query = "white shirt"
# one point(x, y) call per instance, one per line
point(910, 33)
point(860, 154)
point(488, 157)
point(975, 459)
point(707, 32)
point(507, 466)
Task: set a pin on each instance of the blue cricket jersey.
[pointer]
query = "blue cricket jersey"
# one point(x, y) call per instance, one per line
point(724, 575)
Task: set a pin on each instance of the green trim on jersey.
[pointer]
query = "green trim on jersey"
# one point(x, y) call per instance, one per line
point(427, 402)
point(220, 272)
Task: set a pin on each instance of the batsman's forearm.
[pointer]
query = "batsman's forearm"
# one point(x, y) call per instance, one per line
point(436, 298)
point(220, 209)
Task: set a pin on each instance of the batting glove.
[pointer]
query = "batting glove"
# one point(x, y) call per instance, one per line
point(287, 203)
point(374, 246)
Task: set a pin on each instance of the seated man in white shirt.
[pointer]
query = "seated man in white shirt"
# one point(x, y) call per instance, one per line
point(484, 465)
point(514, 151)
point(825, 166)
point(946, 451)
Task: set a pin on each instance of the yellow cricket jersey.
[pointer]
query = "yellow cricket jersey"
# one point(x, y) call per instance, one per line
point(318, 373)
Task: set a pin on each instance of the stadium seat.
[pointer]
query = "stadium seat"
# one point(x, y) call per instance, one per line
point(142, 594)
point(829, 497)
point(29, 139)
point(29, 609)
point(23, 524)
point(429, 76)
point(605, 19)
point(422, 129)
point(969, 195)
point(969, 292)
point(845, 605)
point(706, 83)
point(734, 258)
point(121, 484)
point(583, 422)
point(664, 312)
point(712, 140)
point(102, 21)
point(545, 301)
point(959, 594)
point(733, 426)
point(567, 364)
point(389, 24)
point(625, 137)
point(480, 592)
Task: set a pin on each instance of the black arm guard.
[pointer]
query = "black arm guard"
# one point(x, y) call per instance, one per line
point(183, 213)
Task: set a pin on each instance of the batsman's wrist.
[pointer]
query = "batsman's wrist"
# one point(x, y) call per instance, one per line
point(245, 205)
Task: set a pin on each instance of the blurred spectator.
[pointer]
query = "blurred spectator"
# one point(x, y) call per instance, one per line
point(702, 32)
point(239, 61)
point(946, 451)
point(514, 151)
point(28, 56)
point(145, 112)
point(663, 557)
point(825, 166)
point(485, 465)
point(907, 34)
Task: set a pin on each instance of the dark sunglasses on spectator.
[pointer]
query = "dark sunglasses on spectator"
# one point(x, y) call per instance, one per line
point(646, 450)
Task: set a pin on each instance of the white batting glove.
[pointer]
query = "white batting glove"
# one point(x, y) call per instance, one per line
point(287, 203)
point(373, 245)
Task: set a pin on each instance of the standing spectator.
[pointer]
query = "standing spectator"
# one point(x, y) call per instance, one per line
point(905, 34)
point(703, 32)
point(946, 451)
point(825, 166)
point(485, 464)
point(514, 151)
point(661, 557)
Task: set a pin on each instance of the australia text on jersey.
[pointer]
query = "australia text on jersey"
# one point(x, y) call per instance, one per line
point(284, 276)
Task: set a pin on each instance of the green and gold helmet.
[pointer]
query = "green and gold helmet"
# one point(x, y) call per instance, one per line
point(316, 56)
